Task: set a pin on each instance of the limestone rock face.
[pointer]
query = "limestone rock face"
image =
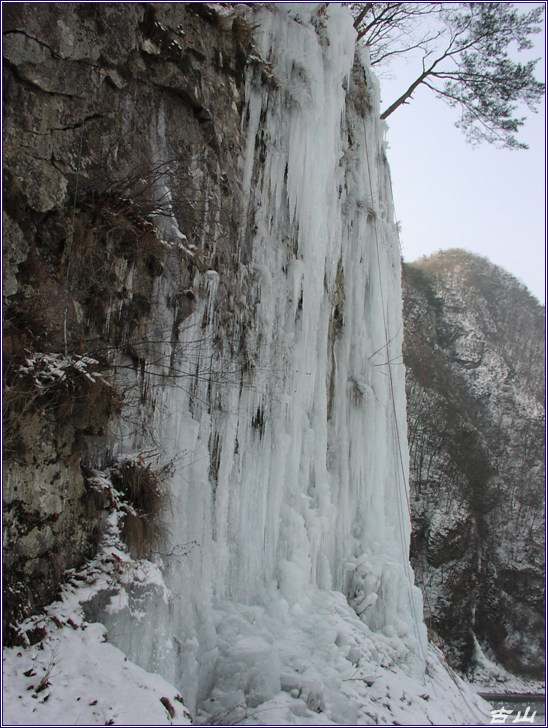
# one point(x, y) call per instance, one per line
point(474, 351)
point(92, 92)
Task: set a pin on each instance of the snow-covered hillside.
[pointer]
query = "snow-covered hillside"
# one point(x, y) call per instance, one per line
point(476, 364)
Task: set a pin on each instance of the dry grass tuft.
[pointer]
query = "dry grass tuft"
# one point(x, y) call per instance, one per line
point(145, 498)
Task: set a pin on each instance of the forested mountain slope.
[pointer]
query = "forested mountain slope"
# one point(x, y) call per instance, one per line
point(474, 351)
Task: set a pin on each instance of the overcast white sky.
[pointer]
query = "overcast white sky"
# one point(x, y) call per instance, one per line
point(449, 194)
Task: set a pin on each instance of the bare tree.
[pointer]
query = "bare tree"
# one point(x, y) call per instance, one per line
point(389, 29)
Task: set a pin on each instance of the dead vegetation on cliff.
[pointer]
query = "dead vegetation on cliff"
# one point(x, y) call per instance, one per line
point(59, 390)
point(146, 497)
point(137, 491)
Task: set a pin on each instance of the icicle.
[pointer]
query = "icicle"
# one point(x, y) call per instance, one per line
point(289, 472)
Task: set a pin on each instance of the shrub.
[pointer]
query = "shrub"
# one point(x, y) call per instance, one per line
point(144, 497)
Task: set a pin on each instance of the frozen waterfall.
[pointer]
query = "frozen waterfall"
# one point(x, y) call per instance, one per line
point(289, 490)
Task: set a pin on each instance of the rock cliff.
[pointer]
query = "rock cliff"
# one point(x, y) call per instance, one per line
point(92, 94)
point(474, 351)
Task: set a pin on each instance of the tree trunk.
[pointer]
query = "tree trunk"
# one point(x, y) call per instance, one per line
point(403, 98)
point(362, 15)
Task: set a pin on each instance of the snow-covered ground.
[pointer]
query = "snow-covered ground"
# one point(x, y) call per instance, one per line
point(312, 663)
point(489, 677)
point(75, 677)
point(71, 675)
point(316, 665)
